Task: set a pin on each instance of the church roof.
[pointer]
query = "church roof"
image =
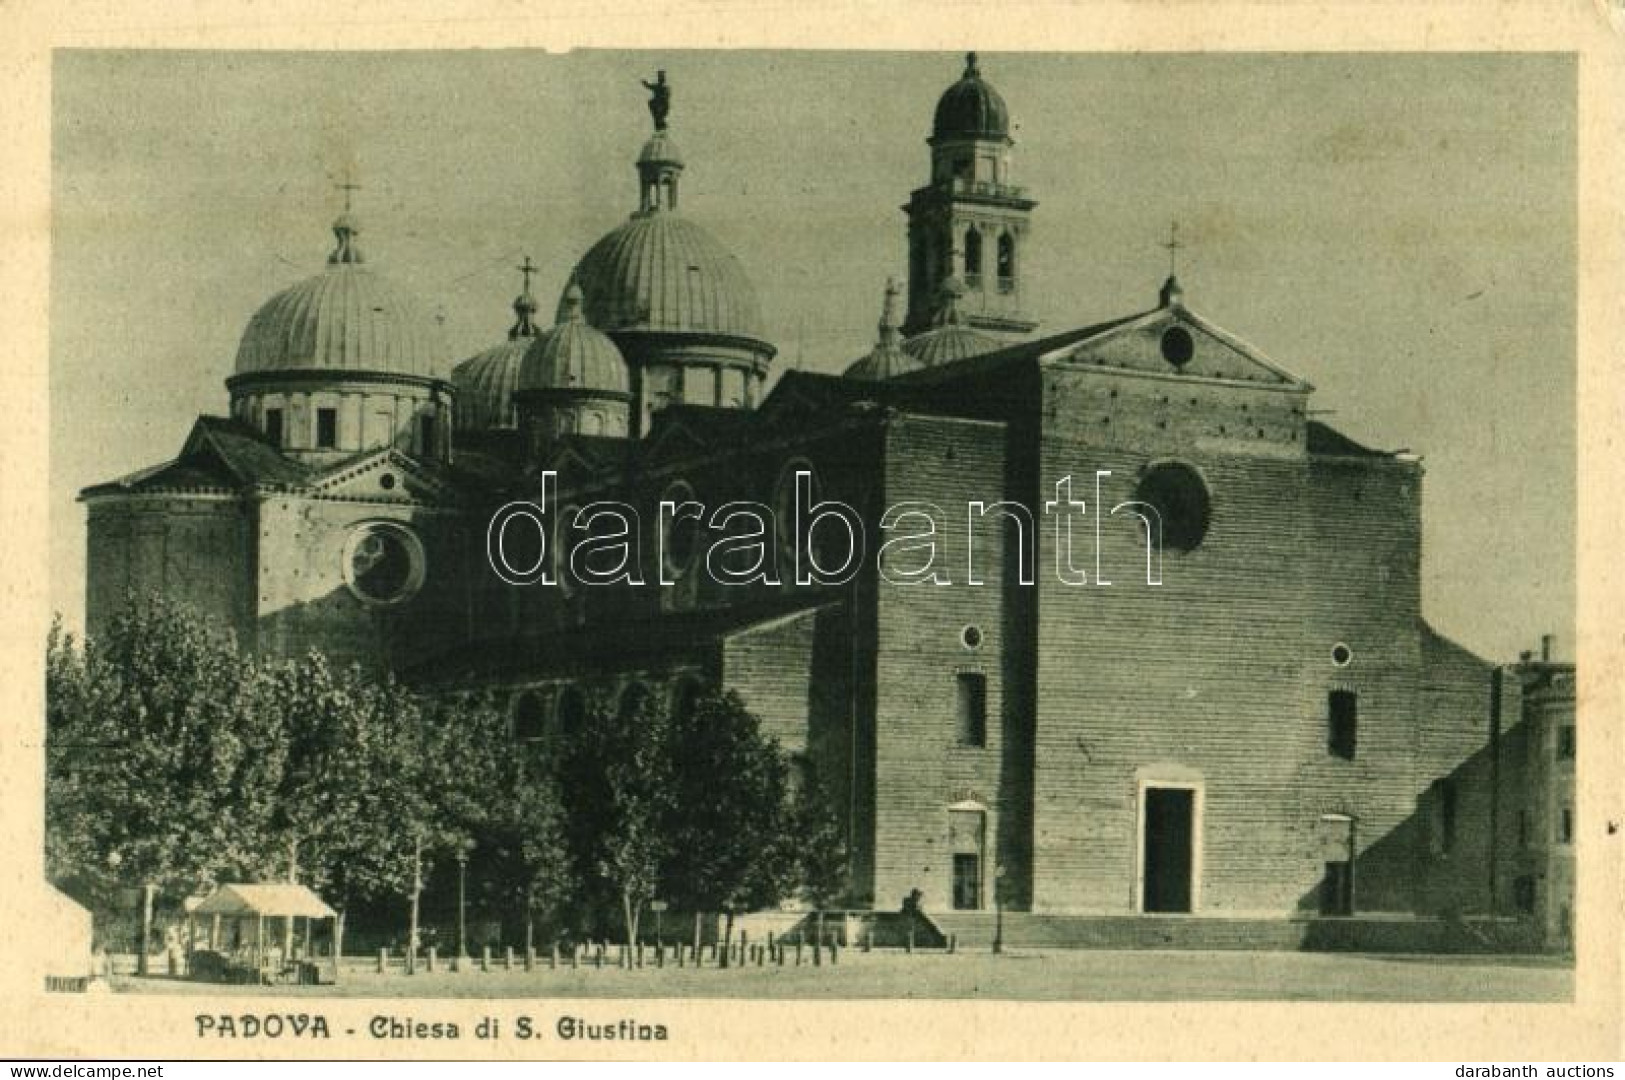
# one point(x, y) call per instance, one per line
point(347, 318)
point(606, 644)
point(1327, 440)
point(221, 453)
point(971, 108)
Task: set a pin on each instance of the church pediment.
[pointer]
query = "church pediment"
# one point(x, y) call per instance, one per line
point(1177, 341)
point(382, 476)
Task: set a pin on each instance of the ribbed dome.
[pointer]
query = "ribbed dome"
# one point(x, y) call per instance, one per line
point(573, 356)
point(485, 386)
point(949, 339)
point(887, 358)
point(970, 107)
point(661, 271)
point(347, 318)
point(945, 344)
point(485, 382)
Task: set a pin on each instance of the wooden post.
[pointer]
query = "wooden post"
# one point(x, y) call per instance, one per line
point(507, 958)
point(430, 955)
point(485, 958)
point(259, 942)
point(834, 952)
point(383, 960)
point(214, 934)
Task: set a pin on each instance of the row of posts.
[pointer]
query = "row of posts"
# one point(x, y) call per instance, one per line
point(603, 954)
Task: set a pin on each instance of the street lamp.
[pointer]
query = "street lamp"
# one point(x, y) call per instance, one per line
point(463, 850)
point(998, 909)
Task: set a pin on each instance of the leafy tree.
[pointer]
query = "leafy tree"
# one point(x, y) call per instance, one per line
point(159, 755)
point(520, 830)
point(732, 844)
point(820, 843)
point(616, 780)
point(349, 809)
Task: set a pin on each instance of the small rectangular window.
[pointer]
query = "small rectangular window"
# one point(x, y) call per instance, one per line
point(1447, 814)
point(1565, 742)
point(327, 428)
point(1565, 833)
point(273, 426)
point(1342, 723)
point(967, 881)
point(972, 713)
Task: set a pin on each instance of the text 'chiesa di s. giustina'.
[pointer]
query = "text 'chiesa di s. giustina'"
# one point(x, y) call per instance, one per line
point(1150, 639)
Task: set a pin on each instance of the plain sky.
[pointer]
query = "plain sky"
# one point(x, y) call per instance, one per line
point(1398, 229)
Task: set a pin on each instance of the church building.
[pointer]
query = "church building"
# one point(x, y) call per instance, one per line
point(1154, 644)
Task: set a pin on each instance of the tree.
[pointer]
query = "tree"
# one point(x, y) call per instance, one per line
point(732, 845)
point(616, 781)
point(159, 755)
point(520, 830)
point(349, 806)
point(820, 843)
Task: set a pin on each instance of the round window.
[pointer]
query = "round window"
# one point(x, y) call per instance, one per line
point(1180, 498)
point(1342, 655)
point(971, 637)
point(383, 563)
point(1177, 346)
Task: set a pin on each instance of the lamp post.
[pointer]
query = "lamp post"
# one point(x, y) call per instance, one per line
point(462, 898)
point(998, 910)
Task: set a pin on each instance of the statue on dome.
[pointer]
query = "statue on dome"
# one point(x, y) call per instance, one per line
point(659, 99)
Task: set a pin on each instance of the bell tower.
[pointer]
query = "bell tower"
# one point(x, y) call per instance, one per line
point(970, 221)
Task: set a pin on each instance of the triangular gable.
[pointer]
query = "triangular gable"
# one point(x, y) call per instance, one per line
point(795, 395)
point(385, 475)
point(241, 452)
point(1154, 342)
point(673, 439)
point(571, 465)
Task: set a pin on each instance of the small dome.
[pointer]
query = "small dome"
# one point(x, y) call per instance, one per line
point(945, 344)
point(949, 339)
point(485, 383)
point(971, 108)
point(887, 358)
point(573, 356)
point(347, 318)
point(662, 272)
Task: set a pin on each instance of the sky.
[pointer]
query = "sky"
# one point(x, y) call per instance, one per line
point(1398, 229)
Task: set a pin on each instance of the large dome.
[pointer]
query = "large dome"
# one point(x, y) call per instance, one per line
point(662, 272)
point(971, 108)
point(347, 318)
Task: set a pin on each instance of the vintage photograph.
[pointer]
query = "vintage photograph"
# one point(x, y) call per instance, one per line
point(812, 524)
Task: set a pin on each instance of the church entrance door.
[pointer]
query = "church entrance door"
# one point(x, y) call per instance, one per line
point(1168, 855)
